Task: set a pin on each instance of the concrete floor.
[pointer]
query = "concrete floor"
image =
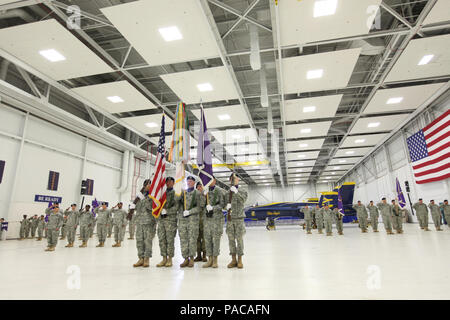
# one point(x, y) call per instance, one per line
point(282, 264)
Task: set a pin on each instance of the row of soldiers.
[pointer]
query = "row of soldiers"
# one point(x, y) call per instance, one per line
point(391, 214)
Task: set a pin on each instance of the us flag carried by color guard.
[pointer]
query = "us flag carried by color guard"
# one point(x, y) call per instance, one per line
point(430, 151)
point(158, 186)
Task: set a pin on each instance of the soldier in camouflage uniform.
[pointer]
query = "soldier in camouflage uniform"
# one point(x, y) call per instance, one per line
point(338, 220)
point(214, 220)
point(373, 210)
point(318, 215)
point(361, 214)
point(71, 217)
point(201, 239)
point(110, 226)
point(132, 226)
point(397, 216)
point(55, 221)
point(86, 220)
point(28, 229)
point(188, 222)
point(435, 215)
point(235, 222)
point(119, 220)
point(34, 224)
point(40, 227)
point(23, 227)
point(103, 220)
point(446, 207)
point(167, 226)
point(385, 210)
point(422, 214)
point(145, 226)
point(328, 217)
point(308, 218)
point(63, 229)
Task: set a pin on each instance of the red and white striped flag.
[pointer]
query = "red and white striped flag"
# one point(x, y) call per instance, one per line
point(430, 151)
point(158, 186)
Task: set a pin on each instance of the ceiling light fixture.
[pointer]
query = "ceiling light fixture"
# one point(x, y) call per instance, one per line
point(324, 8)
point(426, 59)
point(223, 117)
point(309, 109)
point(373, 125)
point(350, 152)
point(203, 87)
point(360, 140)
point(306, 130)
point(52, 55)
point(301, 156)
point(303, 145)
point(336, 168)
point(115, 99)
point(151, 125)
point(170, 33)
point(314, 74)
point(342, 161)
point(394, 100)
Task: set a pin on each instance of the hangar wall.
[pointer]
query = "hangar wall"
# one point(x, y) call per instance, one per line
point(375, 176)
point(49, 147)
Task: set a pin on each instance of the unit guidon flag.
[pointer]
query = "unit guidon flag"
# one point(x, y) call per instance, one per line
point(429, 149)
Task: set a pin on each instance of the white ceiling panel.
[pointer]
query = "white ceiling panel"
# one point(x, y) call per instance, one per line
point(312, 108)
point(401, 98)
point(304, 130)
point(439, 13)
point(362, 140)
point(143, 22)
point(337, 69)
point(250, 148)
point(300, 170)
point(338, 167)
point(224, 116)
point(377, 124)
point(298, 23)
point(131, 99)
point(301, 164)
point(231, 136)
point(343, 161)
point(407, 67)
point(353, 152)
point(304, 145)
point(140, 123)
point(185, 85)
point(26, 41)
point(298, 156)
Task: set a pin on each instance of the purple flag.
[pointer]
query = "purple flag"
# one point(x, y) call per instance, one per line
point(400, 196)
point(204, 157)
point(340, 203)
point(95, 204)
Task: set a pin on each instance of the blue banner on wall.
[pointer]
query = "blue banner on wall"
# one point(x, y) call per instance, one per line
point(41, 198)
point(53, 179)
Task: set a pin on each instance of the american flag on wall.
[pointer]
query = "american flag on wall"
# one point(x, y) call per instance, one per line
point(158, 185)
point(430, 151)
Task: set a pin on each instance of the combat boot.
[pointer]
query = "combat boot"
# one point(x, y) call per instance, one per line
point(209, 263)
point(84, 244)
point(48, 249)
point(71, 244)
point(233, 262)
point(204, 259)
point(62, 238)
point(239, 264)
point(390, 232)
point(199, 256)
point(185, 263)
point(162, 263)
point(115, 244)
point(309, 232)
point(438, 229)
point(426, 229)
point(140, 263)
point(99, 245)
point(320, 231)
point(102, 244)
point(67, 245)
point(39, 239)
point(146, 262)
point(169, 262)
point(119, 244)
point(341, 233)
point(214, 264)
point(329, 233)
point(191, 262)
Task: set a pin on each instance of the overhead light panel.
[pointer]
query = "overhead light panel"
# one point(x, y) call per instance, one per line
point(306, 130)
point(299, 170)
point(52, 55)
point(373, 125)
point(360, 140)
point(151, 125)
point(426, 59)
point(309, 109)
point(301, 156)
point(394, 100)
point(170, 33)
point(224, 117)
point(303, 145)
point(115, 99)
point(336, 168)
point(342, 161)
point(203, 87)
point(324, 8)
point(350, 152)
point(314, 74)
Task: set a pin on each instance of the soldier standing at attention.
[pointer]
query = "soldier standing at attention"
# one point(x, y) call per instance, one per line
point(167, 226)
point(55, 221)
point(214, 220)
point(92, 227)
point(446, 207)
point(131, 225)
point(339, 222)
point(385, 210)
point(397, 216)
point(109, 226)
point(361, 214)
point(235, 222)
point(201, 238)
point(40, 227)
point(318, 214)
point(28, 229)
point(119, 220)
point(435, 215)
point(86, 220)
point(103, 220)
point(23, 227)
point(34, 223)
point(145, 225)
point(188, 223)
point(71, 217)
point(328, 219)
point(373, 210)
point(308, 218)
point(63, 229)
point(422, 214)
